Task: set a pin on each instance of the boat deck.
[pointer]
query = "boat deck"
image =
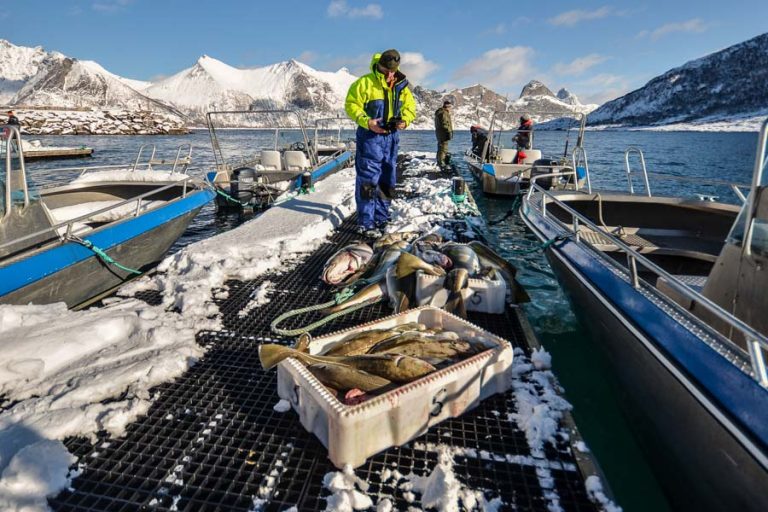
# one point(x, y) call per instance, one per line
point(212, 440)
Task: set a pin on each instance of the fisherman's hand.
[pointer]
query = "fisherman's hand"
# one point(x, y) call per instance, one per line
point(373, 125)
point(401, 125)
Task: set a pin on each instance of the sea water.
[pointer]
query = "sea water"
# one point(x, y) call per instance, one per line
point(709, 158)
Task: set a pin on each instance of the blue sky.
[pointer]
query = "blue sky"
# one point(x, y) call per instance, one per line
point(598, 50)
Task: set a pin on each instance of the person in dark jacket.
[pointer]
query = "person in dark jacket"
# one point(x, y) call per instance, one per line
point(523, 137)
point(443, 131)
point(12, 119)
point(381, 104)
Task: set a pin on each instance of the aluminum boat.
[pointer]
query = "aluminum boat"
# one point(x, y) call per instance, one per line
point(268, 155)
point(673, 290)
point(78, 241)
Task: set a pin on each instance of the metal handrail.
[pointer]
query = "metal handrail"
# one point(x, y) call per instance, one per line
point(757, 179)
point(141, 150)
point(756, 341)
point(219, 158)
point(580, 116)
point(578, 153)
point(12, 133)
point(68, 224)
point(630, 150)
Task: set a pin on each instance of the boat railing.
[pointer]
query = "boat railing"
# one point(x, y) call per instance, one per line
point(12, 136)
point(68, 225)
point(635, 150)
point(755, 341)
point(579, 156)
point(141, 150)
point(647, 176)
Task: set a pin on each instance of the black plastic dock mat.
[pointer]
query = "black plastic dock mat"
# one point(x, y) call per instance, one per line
point(212, 441)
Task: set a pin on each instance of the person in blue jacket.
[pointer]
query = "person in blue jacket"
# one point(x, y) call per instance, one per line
point(381, 104)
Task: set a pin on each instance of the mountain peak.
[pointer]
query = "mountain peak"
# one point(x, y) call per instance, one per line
point(536, 88)
point(568, 97)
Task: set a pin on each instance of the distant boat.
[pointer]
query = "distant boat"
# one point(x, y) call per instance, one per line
point(674, 290)
point(501, 169)
point(76, 242)
point(281, 158)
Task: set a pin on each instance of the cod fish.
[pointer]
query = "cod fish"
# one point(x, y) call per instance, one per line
point(339, 376)
point(436, 258)
point(462, 256)
point(434, 352)
point(489, 258)
point(456, 281)
point(393, 367)
point(392, 238)
point(409, 263)
point(346, 262)
point(370, 293)
point(361, 342)
point(376, 270)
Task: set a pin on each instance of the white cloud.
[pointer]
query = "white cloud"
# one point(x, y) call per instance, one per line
point(502, 68)
point(579, 65)
point(417, 68)
point(307, 57)
point(340, 8)
point(111, 5)
point(357, 65)
point(695, 25)
point(571, 18)
point(603, 87)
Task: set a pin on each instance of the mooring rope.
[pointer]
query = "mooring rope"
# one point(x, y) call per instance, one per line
point(510, 213)
point(106, 258)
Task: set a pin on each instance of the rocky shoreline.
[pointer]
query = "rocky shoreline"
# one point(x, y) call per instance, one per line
point(99, 122)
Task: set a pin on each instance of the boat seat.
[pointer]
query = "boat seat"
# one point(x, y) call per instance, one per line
point(296, 161)
point(507, 155)
point(271, 160)
point(531, 155)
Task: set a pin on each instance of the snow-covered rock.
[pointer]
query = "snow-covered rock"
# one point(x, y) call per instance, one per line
point(731, 83)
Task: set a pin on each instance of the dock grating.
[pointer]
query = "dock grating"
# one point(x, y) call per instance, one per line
point(212, 442)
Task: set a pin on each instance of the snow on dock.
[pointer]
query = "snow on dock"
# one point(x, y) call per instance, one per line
point(163, 403)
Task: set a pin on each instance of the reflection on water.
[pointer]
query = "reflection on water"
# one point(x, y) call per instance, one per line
point(577, 362)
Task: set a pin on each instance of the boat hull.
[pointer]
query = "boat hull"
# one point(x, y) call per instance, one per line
point(72, 274)
point(492, 184)
point(700, 462)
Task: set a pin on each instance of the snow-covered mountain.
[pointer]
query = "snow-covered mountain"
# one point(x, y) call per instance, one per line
point(32, 77)
point(213, 85)
point(723, 86)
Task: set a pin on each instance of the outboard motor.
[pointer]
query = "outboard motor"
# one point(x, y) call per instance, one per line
point(544, 166)
point(243, 184)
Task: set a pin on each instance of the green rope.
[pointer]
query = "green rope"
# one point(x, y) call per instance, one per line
point(542, 246)
point(106, 258)
point(229, 197)
point(319, 323)
point(507, 215)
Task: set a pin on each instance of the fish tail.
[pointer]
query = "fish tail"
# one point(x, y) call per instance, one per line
point(271, 354)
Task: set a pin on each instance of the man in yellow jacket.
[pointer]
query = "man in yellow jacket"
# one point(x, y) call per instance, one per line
point(381, 104)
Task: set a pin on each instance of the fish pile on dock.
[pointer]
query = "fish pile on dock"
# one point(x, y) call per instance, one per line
point(366, 363)
point(360, 264)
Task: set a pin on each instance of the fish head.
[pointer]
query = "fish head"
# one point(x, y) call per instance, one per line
point(412, 367)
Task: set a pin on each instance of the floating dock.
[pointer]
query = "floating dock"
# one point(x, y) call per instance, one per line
point(212, 439)
point(57, 153)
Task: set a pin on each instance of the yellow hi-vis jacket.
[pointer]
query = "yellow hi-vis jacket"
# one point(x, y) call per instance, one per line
point(370, 97)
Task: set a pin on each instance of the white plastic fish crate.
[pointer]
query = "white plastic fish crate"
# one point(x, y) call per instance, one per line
point(352, 433)
point(488, 295)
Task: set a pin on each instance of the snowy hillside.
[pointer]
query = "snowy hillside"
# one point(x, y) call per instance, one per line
point(31, 76)
point(213, 85)
point(724, 86)
point(17, 65)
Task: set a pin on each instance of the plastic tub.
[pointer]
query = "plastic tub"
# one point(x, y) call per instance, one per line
point(353, 433)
